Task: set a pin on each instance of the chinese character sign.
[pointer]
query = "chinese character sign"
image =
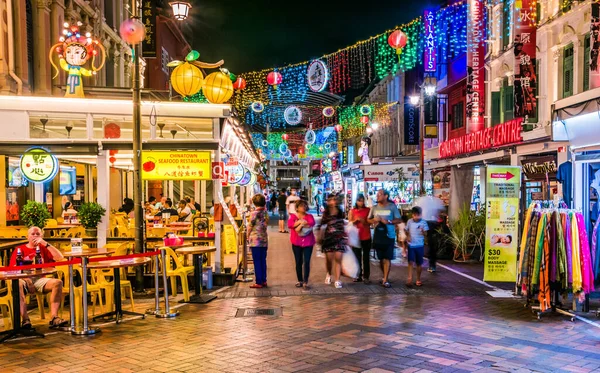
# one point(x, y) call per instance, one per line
point(165, 165)
point(38, 165)
point(525, 86)
point(149, 20)
point(475, 66)
point(503, 186)
point(594, 46)
point(429, 48)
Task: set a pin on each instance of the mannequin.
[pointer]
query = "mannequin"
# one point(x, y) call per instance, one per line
point(363, 151)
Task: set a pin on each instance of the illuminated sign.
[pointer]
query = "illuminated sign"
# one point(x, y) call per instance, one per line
point(502, 134)
point(166, 165)
point(317, 75)
point(429, 49)
point(475, 63)
point(38, 165)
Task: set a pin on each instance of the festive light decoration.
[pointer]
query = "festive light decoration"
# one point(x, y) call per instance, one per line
point(239, 84)
point(217, 87)
point(285, 136)
point(364, 119)
point(397, 40)
point(338, 127)
point(365, 110)
point(74, 50)
point(112, 131)
point(329, 111)
point(317, 75)
point(274, 79)
point(310, 137)
point(187, 78)
point(292, 115)
point(197, 98)
point(257, 107)
point(133, 31)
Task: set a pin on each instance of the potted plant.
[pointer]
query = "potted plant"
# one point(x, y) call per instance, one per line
point(90, 214)
point(467, 234)
point(35, 214)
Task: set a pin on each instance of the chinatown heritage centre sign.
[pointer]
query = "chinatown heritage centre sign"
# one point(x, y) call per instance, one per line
point(38, 165)
point(174, 165)
point(502, 190)
point(503, 134)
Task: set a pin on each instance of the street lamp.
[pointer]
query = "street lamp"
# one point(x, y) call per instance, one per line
point(181, 9)
point(414, 100)
point(374, 126)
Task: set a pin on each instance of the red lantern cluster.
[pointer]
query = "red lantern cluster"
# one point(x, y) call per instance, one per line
point(239, 84)
point(112, 153)
point(112, 131)
point(274, 78)
point(397, 40)
point(364, 119)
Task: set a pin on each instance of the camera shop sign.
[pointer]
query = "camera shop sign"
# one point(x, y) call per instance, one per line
point(503, 134)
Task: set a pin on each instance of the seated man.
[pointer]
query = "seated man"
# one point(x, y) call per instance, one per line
point(168, 208)
point(41, 284)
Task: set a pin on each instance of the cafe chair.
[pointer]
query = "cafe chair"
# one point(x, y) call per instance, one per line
point(60, 220)
point(10, 233)
point(95, 291)
point(6, 304)
point(104, 277)
point(73, 232)
point(175, 268)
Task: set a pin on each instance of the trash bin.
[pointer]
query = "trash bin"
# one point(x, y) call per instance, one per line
point(207, 278)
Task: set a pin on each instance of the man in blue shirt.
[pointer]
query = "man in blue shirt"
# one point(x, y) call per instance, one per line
point(416, 228)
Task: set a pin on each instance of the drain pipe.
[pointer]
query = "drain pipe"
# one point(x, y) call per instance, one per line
point(11, 48)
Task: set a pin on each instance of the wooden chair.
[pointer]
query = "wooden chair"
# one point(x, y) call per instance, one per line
point(8, 232)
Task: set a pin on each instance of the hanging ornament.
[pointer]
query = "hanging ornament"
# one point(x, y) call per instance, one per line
point(187, 78)
point(338, 127)
point(133, 31)
point(285, 136)
point(329, 111)
point(364, 120)
point(283, 148)
point(217, 87)
point(239, 84)
point(307, 146)
point(265, 143)
point(112, 152)
point(274, 79)
point(257, 107)
point(365, 110)
point(288, 153)
point(292, 115)
point(327, 146)
point(310, 137)
point(317, 75)
point(397, 40)
point(112, 160)
point(112, 131)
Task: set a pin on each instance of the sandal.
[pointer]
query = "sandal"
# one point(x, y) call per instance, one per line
point(386, 285)
point(298, 284)
point(26, 324)
point(419, 283)
point(409, 283)
point(57, 322)
point(256, 286)
point(305, 287)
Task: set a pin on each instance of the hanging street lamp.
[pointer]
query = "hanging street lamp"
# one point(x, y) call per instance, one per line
point(181, 9)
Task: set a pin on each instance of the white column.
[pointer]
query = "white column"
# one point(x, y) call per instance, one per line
point(89, 126)
point(103, 195)
point(38, 192)
point(181, 194)
point(89, 179)
point(171, 192)
point(202, 195)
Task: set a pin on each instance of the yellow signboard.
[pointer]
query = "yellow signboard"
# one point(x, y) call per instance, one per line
point(174, 165)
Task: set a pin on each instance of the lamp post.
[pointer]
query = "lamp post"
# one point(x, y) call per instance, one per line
point(181, 9)
point(427, 88)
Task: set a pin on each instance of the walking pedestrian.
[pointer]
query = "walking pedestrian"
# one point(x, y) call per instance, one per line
point(416, 228)
point(273, 205)
point(358, 216)
point(282, 210)
point(258, 240)
point(302, 238)
point(334, 240)
point(432, 207)
point(319, 201)
point(385, 215)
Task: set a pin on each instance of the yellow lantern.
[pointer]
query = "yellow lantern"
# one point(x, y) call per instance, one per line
point(217, 88)
point(187, 78)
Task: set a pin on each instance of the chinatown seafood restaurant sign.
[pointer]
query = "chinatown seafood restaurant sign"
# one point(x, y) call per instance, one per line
point(173, 165)
point(503, 134)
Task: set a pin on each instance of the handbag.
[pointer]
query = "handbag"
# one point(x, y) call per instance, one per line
point(350, 266)
point(353, 235)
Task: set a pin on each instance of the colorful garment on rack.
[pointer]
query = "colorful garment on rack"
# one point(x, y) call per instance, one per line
point(528, 256)
point(587, 275)
point(544, 281)
point(575, 255)
point(539, 249)
point(569, 247)
point(561, 254)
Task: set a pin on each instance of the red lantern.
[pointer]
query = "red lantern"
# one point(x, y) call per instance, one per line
point(285, 136)
point(112, 152)
point(364, 120)
point(397, 40)
point(274, 78)
point(112, 131)
point(239, 84)
point(338, 127)
point(112, 160)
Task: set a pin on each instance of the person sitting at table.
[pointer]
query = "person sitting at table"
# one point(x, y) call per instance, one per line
point(40, 284)
point(195, 204)
point(184, 211)
point(168, 209)
point(69, 210)
point(152, 201)
point(161, 204)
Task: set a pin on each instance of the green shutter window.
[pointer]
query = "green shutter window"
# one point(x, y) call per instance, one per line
point(586, 63)
point(568, 71)
point(496, 108)
point(507, 101)
point(538, 11)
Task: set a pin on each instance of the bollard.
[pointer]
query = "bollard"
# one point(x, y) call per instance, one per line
point(168, 312)
point(156, 309)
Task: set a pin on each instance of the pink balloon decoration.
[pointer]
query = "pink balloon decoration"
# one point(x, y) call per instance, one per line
point(133, 31)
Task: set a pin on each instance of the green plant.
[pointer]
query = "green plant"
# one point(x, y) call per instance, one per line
point(90, 214)
point(35, 214)
point(467, 232)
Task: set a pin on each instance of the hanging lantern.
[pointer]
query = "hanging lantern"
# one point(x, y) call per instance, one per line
point(186, 78)
point(285, 136)
point(364, 119)
point(397, 40)
point(239, 84)
point(112, 160)
point(181, 9)
point(338, 127)
point(274, 79)
point(112, 131)
point(217, 88)
point(328, 111)
point(112, 152)
point(133, 31)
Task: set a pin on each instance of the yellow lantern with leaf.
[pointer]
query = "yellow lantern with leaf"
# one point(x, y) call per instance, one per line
point(187, 77)
point(218, 87)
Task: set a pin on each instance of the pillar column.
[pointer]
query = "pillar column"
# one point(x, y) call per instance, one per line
point(202, 195)
point(42, 44)
point(103, 166)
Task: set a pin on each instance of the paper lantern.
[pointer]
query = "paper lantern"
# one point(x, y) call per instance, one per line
point(397, 40)
point(285, 136)
point(338, 127)
point(187, 79)
point(274, 78)
point(239, 84)
point(112, 160)
point(217, 88)
point(112, 131)
point(112, 152)
point(364, 119)
point(132, 30)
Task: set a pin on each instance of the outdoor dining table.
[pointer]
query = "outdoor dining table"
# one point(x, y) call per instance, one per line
point(116, 265)
point(198, 253)
point(14, 277)
point(84, 254)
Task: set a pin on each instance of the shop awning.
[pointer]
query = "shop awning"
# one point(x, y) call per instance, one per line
point(576, 119)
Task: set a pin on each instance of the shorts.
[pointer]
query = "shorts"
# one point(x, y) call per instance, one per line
point(385, 251)
point(282, 215)
point(415, 255)
point(39, 283)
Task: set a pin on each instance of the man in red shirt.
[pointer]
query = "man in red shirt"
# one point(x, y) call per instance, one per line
point(40, 284)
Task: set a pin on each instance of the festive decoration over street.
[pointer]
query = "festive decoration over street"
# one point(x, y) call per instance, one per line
point(239, 84)
point(217, 87)
point(317, 75)
point(274, 79)
point(257, 107)
point(329, 111)
point(133, 31)
point(112, 131)
point(365, 110)
point(397, 40)
point(292, 115)
point(187, 77)
point(74, 50)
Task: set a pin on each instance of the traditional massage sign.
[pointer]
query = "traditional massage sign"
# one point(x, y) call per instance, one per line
point(166, 165)
point(475, 63)
point(502, 190)
point(38, 165)
point(503, 134)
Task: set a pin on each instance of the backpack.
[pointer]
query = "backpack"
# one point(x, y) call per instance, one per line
point(380, 235)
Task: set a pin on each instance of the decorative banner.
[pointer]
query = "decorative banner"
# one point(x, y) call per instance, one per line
point(595, 46)
point(149, 20)
point(525, 86)
point(475, 63)
point(292, 115)
point(503, 190)
point(411, 124)
point(38, 165)
point(429, 49)
point(317, 75)
point(430, 109)
point(235, 173)
point(540, 168)
point(175, 165)
point(257, 107)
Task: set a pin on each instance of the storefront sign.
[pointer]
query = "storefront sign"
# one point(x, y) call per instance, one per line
point(540, 168)
point(411, 124)
point(149, 20)
point(38, 165)
point(502, 134)
point(218, 170)
point(525, 87)
point(441, 185)
point(503, 191)
point(388, 172)
point(430, 48)
point(475, 63)
point(430, 110)
point(166, 165)
point(336, 177)
point(594, 46)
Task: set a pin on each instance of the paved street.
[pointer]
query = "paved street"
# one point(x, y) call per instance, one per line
point(449, 325)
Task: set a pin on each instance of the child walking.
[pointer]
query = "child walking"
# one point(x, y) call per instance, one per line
point(416, 228)
point(402, 236)
point(258, 240)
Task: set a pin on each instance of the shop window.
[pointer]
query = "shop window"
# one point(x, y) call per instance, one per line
point(586, 63)
point(458, 116)
point(568, 71)
point(496, 108)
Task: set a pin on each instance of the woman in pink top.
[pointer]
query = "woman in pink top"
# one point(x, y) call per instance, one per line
point(358, 216)
point(301, 227)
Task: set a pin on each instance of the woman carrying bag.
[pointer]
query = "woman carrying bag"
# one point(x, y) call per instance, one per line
point(334, 240)
point(359, 238)
point(301, 225)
